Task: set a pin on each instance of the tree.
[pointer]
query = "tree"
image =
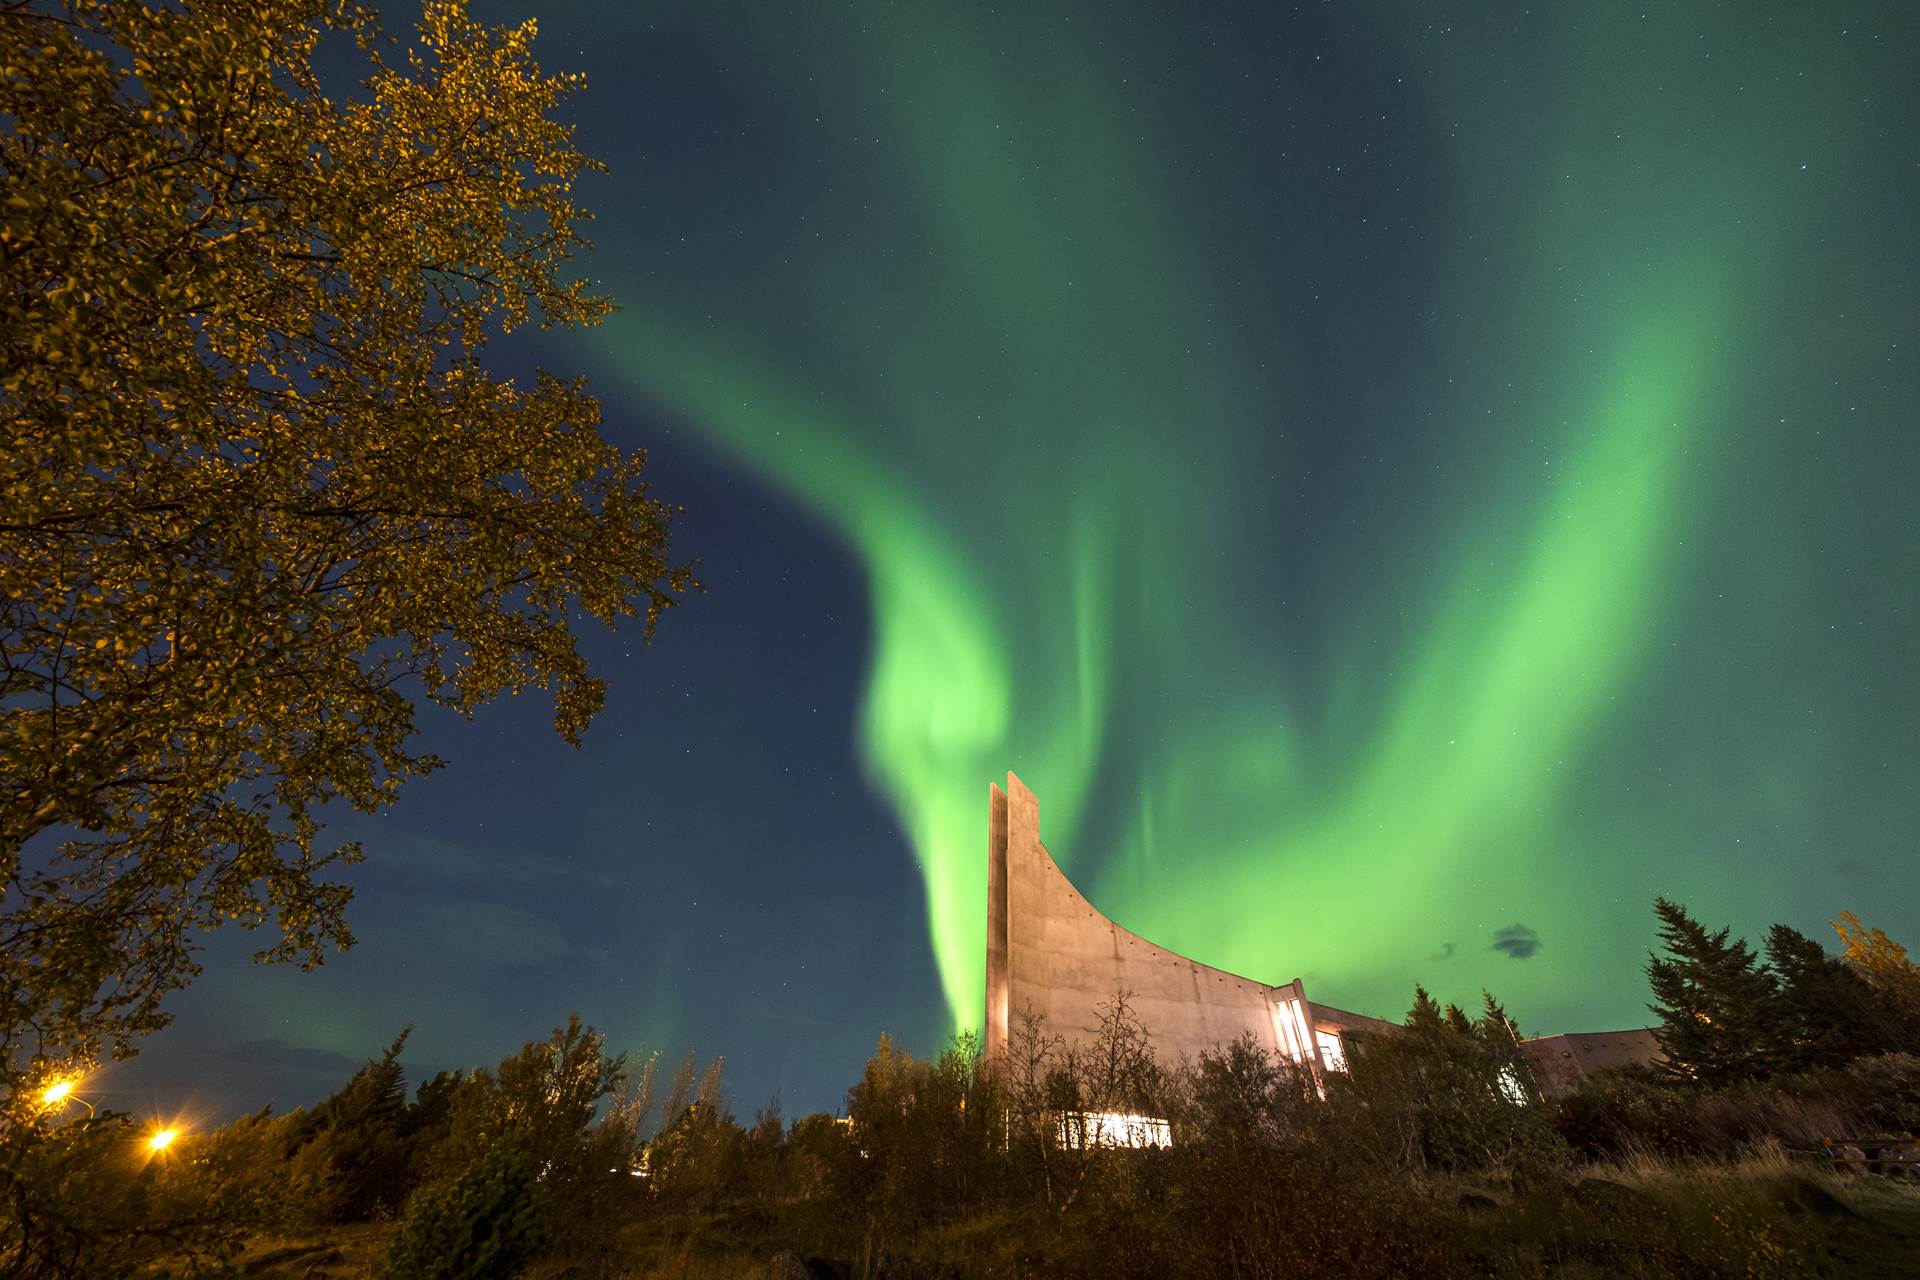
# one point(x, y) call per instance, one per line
point(257, 482)
point(1425, 1016)
point(1712, 1000)
point(485, 1225)
point(699, 1158)
point(354, 1164)
point(1824, 1014)
point(1882, 963)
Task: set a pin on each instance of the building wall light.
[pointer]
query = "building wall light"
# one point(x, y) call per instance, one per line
point(1083, 1129)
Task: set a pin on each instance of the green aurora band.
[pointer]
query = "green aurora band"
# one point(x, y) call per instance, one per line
point(994, 317)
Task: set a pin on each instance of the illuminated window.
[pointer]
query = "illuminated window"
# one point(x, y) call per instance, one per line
point(1330, 1051)
point(1082, 1129)
point(1511, 1086)
point(1291, 1023)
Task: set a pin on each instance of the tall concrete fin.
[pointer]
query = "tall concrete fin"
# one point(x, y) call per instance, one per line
point(996, 1029)
point(1065, 960)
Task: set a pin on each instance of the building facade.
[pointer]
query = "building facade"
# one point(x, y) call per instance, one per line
point(1051, 952)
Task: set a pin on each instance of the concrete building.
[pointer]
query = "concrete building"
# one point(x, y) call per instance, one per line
point(1562, 1063)
point(1050, 951)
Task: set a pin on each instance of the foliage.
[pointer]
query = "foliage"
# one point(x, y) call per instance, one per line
point(1727, 1018)
point(1267, 1176)
point(1823, 1014)
point(1882, 963)
point(930, 1136)
point(698, 1160)
point(256, 481)
point(1440, 1098)
point(1244, 1096)
point(563, 1104)
point(1626, 1111)
point(1883, 1094)
point(484, 1225)
point(89, 1199)
point(354, 1161)
point(1635, 1112)
point(1712, 997)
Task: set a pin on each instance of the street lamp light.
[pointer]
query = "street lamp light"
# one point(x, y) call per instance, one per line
point(56, 1094)
point(160, 1139)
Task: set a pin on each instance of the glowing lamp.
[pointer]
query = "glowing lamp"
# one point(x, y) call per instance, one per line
point(56, 1093)
point(161, 1139)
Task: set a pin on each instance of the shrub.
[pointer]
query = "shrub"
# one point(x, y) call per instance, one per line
point(1626, 1112)
point(483, 1225)
point(88, 1199)
point(1883, 1093)
point(1437, 1100)
point(1631, 1111)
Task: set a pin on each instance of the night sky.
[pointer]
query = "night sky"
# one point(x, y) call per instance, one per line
point(1403, 486)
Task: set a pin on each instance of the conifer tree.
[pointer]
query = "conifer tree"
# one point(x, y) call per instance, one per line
point(1501, 1036)
point(1425, 1015)
point(353, 1164)
point(1712, 998)
point(1494, 1018)
point(1824, 1014)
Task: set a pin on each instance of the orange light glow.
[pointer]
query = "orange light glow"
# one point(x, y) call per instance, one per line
point(161, 1139)
point(56, 1094)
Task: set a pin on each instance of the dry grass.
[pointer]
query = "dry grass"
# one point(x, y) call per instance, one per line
point(338, 1253)
point(1770, 1212)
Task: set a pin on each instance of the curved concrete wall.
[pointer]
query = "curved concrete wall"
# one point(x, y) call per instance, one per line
point(1050, 951)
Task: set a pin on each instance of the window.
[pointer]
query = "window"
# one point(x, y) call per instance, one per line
point(1082, 1129)
point(1291, 1024)
point(1331, 1051)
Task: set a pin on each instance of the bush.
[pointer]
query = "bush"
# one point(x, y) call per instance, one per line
point(1437, 1101)
point(1883, 1093)
point(88, 1199)
point(484, 1225)
point(1633, 1112)
point(1626, 1112)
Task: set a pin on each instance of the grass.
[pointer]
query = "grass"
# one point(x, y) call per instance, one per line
point(1769, 1213)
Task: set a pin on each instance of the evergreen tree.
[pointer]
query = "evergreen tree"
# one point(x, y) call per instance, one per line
point(354, 1161)
point(1457, 1021)
point(1501, 1037)
point(1494, 1021)
point(1425, 1015)
point(1713, 1000)
point(1824, 1014)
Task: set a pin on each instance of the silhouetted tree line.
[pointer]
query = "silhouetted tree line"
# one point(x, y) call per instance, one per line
point(1728, 1016)
point(566, 1160)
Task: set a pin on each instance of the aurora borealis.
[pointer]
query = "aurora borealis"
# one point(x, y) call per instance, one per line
point(1386, 475)
point(1278, 440)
